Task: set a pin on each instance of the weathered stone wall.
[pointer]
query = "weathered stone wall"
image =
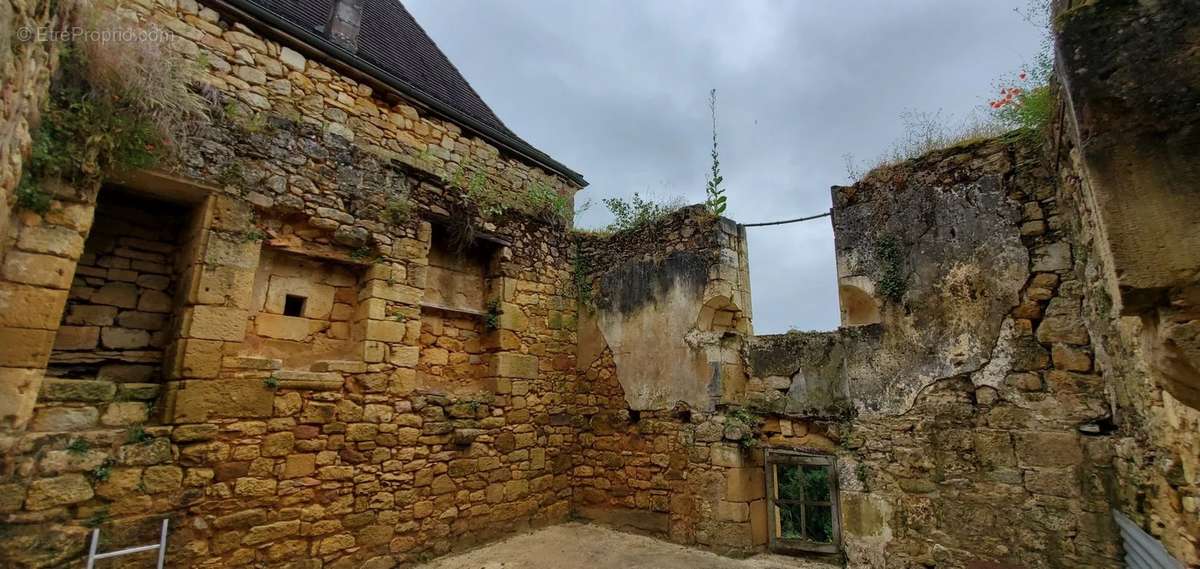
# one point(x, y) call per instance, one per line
point(347, 457)
point(1131, 166)
point(980, 428)
point(665, 311)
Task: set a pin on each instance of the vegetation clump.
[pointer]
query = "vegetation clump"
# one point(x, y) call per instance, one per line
point(891, 283)
point(119, 100)
point(637, 212)
point(538, 199)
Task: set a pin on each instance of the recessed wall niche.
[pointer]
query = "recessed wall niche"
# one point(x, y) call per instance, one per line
point(453, 314)
point(302, 310)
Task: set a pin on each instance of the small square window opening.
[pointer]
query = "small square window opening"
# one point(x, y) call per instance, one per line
point(293, 305)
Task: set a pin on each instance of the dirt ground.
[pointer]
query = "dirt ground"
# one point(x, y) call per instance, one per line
point(580, 545)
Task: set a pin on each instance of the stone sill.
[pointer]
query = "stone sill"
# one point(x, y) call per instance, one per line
point(309, 380)
point(445, 308)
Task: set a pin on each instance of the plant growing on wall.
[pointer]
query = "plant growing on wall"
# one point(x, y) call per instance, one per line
point(491, 320)
point(1027, 103)
point(637, 211)
point(715, 199)
point(115, 105)
point(580, 280)
point(890, 256)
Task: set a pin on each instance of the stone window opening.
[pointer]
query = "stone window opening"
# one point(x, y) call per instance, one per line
point(293, 305)
point(802, 502)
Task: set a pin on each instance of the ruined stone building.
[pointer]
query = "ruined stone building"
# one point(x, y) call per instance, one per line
point(346, 323)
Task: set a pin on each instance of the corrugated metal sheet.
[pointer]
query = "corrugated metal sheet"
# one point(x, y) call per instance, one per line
point(1142, 551)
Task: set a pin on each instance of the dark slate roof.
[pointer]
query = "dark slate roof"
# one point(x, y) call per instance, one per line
point(391, 40)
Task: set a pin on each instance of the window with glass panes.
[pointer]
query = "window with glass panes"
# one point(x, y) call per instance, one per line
point(802, 502)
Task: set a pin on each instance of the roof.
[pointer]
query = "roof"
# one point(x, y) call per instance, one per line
point(393, 47)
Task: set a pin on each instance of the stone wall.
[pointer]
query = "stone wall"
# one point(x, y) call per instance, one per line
point(344, 448)
point(666, 309)
point(978, 427)
point(122, 296)
point(1127, 140)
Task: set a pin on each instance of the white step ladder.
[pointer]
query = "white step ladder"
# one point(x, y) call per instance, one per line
point(161, 546)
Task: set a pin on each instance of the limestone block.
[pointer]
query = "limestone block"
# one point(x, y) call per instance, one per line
point(23, 306)
point(1070, 359)
point(405, 356)
point(90, 315)
point(22, 347)
point(254, 487)
point(57, 419)
point(125, 413)
point(142, 320)
point(39, 270)
point(512, 317)
point(138, 391)
point(292, 59)
point(164, 478)
point(394, 292)
point(214, 323)
point(1048, 449)
point(510, 365)
point(124, 338)
point(733, 511)
point(18, 394)
point(299, 465)
point(278, 444)
point(194, 358)
point(344, 366)
point(77, 338)
point(58, 491)
point(271, 532)
point(154, 301)
point(728, 455)
point(1061, 482)
point(388, 331)
point(51, 240)
point(198, 401)
point(252, 362)
point(282, 327)
point(194, 433)
point(1052, 257)
point(77, 390)
point(1063, 323)
point(744, 484)
point(309, 380)
point(229, 252)
point(119, 294)
point(215, 284)
point(156, 451)
point(61, 461)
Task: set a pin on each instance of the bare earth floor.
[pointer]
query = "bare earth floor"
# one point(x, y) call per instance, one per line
point(586, 546)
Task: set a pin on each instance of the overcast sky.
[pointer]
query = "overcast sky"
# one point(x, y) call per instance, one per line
point(617, 90)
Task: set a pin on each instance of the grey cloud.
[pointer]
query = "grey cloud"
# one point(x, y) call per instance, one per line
point(617, 90)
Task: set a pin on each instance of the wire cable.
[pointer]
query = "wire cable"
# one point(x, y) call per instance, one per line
point(798, 219)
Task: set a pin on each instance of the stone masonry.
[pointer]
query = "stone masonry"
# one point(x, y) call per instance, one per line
point(310, 344)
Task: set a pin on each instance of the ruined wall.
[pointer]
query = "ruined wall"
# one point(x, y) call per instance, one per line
point(980, 433)
point(277, 455)
point(1127, 143)
point(665, 310)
